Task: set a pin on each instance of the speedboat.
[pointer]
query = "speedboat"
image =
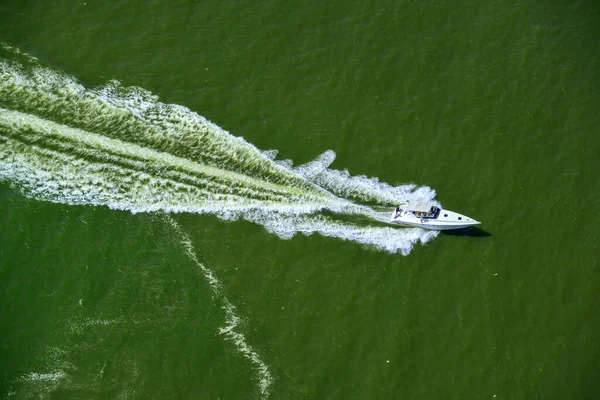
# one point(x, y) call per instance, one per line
point(423, 214)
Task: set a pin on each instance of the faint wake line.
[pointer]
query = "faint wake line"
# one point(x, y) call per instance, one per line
point(231, 318)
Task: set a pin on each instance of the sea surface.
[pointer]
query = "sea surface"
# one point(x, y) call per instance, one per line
point(193, 199)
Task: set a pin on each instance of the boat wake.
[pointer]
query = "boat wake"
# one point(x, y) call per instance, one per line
point(122, 148)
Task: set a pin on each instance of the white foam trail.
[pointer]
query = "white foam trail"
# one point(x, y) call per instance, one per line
point(381, 238)
point(122, 148)
point(232, 321)
point(361, 188)
point(36, 383)
point(77, 326)
point(48, 377)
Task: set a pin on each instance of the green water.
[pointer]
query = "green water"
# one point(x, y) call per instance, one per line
point(147, 253)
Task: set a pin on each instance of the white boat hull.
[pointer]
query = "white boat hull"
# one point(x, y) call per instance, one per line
point(444, 220)
point(435, 227)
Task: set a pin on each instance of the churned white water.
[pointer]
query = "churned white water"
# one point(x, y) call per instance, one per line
point(122, 148)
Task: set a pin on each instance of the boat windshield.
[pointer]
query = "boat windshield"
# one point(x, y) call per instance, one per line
point(418, 209)
point(432, 212)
